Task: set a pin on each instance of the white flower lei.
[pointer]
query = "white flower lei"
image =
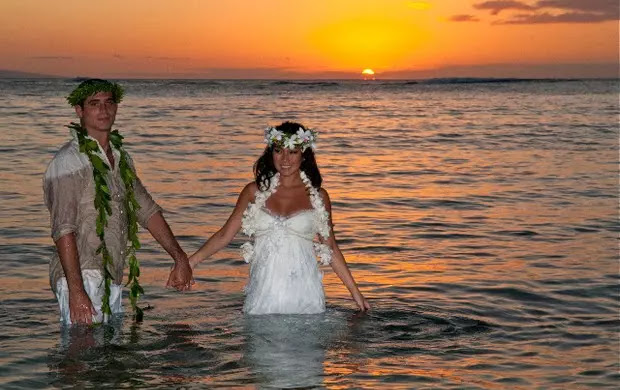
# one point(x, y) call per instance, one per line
point(303, 138)
point(321, 219)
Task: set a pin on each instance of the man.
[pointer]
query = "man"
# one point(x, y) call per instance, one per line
point(95, 201)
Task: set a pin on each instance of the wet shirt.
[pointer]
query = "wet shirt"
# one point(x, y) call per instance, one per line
point(69, 194)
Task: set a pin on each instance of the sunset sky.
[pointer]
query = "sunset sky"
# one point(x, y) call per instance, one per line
point(310, 39)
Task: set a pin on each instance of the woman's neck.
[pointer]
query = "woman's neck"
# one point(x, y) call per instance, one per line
point(290, 180)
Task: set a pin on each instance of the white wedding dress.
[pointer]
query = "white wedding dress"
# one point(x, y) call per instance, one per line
point(284, 274)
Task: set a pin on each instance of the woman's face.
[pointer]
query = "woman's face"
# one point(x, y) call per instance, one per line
point(287, 161)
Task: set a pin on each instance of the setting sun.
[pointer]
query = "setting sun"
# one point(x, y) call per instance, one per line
point(368, 74)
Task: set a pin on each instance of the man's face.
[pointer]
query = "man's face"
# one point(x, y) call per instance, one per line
point(99, 112)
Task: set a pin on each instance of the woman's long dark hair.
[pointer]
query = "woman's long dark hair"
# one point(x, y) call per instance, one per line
point(264, 169)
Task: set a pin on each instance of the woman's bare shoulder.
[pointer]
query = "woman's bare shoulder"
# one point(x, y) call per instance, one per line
point(248, 191)
point(324, 196)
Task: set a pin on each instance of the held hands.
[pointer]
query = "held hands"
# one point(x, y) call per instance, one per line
point(181, 275)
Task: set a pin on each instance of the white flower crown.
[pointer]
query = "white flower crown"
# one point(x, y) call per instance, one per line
point(302, 139)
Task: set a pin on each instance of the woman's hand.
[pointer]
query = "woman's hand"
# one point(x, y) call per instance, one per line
point(361, 302)
point(193, 261)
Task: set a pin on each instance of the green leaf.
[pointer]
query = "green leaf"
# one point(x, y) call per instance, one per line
point(139, 314)
point(98, 164)
point(90, 87)
point(92, 145)
point(116, 138)
point(135, 243)
point(134, 270)
point(102, 203)
point(135, 290)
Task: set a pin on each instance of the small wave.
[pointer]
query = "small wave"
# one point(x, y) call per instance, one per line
point(307, 83)
point(486, 80)
point(518, 233)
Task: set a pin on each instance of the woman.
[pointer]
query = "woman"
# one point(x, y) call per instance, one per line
point(284, 210)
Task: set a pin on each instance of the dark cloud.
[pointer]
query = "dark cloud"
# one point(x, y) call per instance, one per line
point(464, 18)
point(608, 7)
point(553, 11)
point(567, 17)
point(498, 6)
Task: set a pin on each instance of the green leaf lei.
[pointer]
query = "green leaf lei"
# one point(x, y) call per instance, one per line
point(90, 147)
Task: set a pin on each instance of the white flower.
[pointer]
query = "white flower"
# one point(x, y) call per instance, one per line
point(247, 251)
point(248, 220)
point(272, 135)
point(323, 252)
point(291, 142)
point(304, 178)
point(304, 136)
point(277, 135)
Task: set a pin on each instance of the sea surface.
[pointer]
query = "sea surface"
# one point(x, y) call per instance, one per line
point(480, 219)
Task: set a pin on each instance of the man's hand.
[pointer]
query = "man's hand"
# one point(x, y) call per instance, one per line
point(180, 275)
point(81, 308)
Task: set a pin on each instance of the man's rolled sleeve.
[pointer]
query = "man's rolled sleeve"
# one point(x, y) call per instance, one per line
point(148, 207)
point(62, 196)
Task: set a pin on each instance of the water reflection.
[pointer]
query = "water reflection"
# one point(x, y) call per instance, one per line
point(109, 355)
point(87, 355)
point(285, 351)
point(482, 235)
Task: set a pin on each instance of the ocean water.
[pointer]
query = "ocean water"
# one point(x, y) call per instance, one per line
point(479, 219)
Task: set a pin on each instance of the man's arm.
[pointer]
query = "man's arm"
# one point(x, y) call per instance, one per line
point(81, 309)
point(62, 190)
point(149, 215)
point(181, 275)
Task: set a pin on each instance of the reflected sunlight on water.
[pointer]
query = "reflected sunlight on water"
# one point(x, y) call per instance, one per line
point(480, 220)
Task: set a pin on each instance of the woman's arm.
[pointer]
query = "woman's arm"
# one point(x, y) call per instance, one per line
point(227, 232)
point(339, 265)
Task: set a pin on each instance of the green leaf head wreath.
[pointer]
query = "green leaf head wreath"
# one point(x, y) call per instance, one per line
point(90, 87)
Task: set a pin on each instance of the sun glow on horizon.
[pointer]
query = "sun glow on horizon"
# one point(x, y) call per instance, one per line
point(402, 39)
point(368, 74)
point(376, 39)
